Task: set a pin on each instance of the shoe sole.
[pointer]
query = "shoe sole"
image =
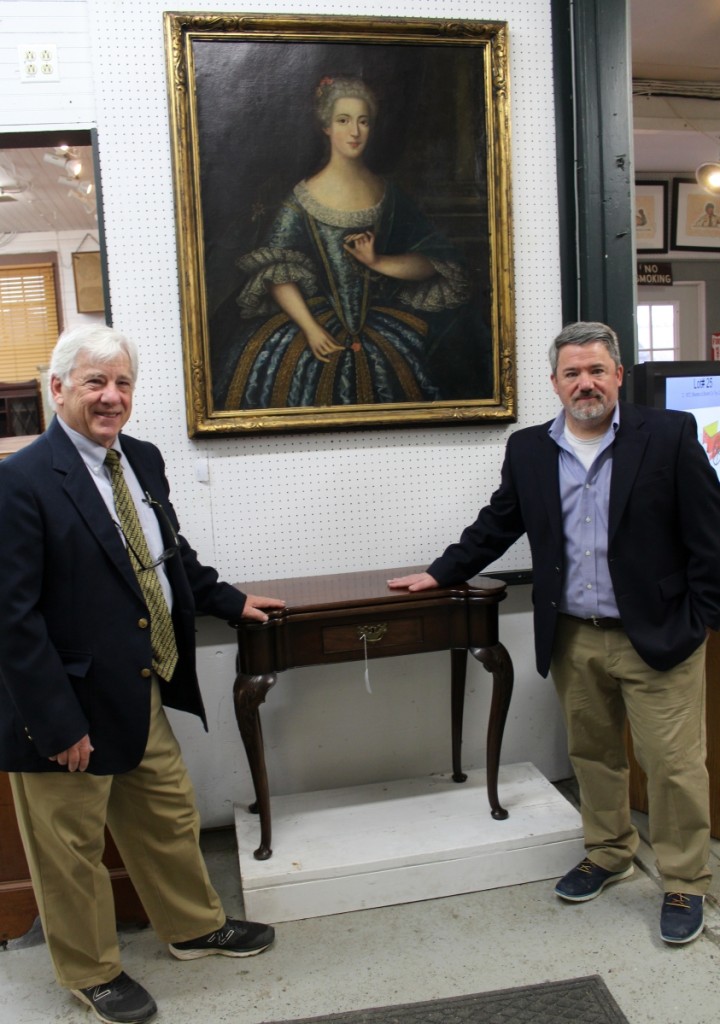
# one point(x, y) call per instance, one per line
point(197, 954)
point(593, 895)
point(682, 942)
point(109, 1020)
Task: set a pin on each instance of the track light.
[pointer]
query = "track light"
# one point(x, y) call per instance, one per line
point(70, 164)
point(73, 167)
point(51, 158)
point(10, 181)
point(708, 177)
point(83, 187)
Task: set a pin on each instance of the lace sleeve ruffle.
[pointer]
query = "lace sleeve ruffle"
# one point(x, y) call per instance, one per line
point(272, 266)
point(447, 289)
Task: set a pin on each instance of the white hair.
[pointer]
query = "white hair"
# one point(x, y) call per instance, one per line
point(101, 343)
point(332, 88)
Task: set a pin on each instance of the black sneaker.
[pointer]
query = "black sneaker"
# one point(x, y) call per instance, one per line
point(681, 917)
point(120, 1001)
point(235, 938)
point(587, 881)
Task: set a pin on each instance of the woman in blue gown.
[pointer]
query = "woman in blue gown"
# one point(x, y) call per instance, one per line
point(350, 291)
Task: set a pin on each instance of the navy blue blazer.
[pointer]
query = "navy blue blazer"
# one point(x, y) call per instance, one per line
point(663, 533)
point(74, 642)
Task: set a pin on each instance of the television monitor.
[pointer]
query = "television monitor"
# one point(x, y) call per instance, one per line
point(691, 386)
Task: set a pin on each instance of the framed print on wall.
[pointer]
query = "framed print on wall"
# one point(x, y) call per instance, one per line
point(343, 221)
point(695, 218)
point(651, 216)
point(87, 276)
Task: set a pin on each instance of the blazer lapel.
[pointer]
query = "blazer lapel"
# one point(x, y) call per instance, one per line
point(546, 467)
point(81, 490)
point(628, 452)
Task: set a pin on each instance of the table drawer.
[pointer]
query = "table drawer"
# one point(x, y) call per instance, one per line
point(296, 637)
point(379, 634)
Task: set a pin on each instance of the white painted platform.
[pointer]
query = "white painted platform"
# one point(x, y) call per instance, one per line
point(398, 842)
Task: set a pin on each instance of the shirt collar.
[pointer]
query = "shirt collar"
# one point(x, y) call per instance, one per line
point(92, 453)
point(557, 427)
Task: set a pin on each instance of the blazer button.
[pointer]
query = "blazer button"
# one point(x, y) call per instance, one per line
point(143, 623)
point(146, 673)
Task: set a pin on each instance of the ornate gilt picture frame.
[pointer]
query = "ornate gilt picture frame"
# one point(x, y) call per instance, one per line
point(343, 211)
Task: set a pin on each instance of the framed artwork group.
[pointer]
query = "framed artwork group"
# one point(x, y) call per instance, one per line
point(694, 221)
point(344, 223)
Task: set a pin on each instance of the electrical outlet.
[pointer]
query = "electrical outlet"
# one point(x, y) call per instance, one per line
point(38, 62)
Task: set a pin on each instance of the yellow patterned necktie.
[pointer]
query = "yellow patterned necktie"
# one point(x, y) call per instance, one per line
point(162, 634)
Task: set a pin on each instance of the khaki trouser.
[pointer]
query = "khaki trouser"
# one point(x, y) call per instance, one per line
point(151, 814)
point(601, 681)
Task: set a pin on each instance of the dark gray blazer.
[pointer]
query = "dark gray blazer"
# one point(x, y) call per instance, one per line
point(663, 533)
point(74, 644)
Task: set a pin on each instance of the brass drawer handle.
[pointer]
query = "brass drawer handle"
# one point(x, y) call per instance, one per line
point(371, 634)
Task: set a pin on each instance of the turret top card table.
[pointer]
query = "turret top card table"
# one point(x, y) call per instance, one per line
point(351, 616)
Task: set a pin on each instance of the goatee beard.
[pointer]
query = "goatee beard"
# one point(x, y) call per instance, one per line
point(592, 412)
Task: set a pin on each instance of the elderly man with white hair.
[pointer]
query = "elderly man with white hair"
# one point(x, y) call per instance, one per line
point(99, 592)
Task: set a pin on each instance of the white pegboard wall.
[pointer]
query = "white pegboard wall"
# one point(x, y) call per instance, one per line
point(302, 504)
point(66, 100)
point(349, 506)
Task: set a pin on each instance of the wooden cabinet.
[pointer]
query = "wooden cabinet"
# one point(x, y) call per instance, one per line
point(20, 409)
point(18, 908)
point(638, 788)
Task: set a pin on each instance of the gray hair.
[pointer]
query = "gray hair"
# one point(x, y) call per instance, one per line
point(101, 343)
point(585, 333)
point(332, 88)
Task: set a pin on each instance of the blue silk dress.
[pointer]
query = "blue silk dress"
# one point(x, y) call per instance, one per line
point(384, 325)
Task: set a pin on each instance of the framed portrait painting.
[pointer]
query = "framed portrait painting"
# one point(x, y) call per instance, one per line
point(696, 217)
point(651, 216)
point(344, 223)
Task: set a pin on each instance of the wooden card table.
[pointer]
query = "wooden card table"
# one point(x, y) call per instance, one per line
point(350, 616)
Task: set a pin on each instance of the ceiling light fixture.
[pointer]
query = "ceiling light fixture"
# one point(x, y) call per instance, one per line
point(11, 183)
point(53, 158)
point(707, 174)
point(83, 187)
point(67, 161)
point(708, 178)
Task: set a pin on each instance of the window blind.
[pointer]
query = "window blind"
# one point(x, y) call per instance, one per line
point(28, 319)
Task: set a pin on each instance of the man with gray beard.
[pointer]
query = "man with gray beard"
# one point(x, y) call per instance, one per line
point(621, 506)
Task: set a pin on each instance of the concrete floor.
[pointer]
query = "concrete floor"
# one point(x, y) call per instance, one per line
point(519, 935)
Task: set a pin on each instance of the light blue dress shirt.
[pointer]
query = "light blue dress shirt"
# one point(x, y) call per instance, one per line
point(585, 499)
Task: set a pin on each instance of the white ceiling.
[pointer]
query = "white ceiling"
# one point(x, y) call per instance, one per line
point(35, 200)
point(672, 41)
point(675, 41)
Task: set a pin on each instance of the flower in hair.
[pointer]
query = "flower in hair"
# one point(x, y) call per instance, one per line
point(325, 81)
